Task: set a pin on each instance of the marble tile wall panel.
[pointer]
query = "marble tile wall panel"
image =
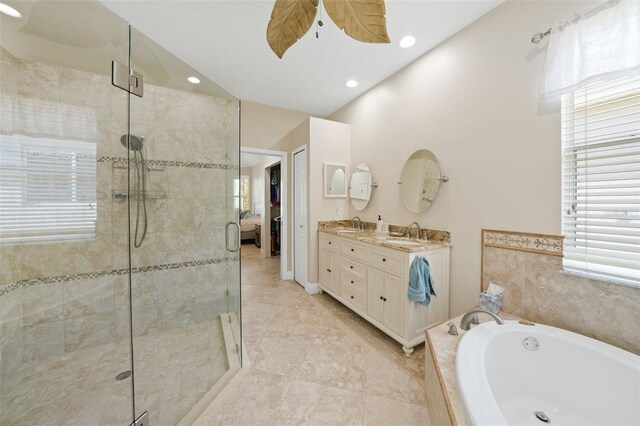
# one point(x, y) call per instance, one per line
point(62, 296)
point(537, 289)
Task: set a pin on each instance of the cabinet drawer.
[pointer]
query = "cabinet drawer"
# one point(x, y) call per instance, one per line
point(354, 250)
point(353, 267)
point(329, 242)
point(354, 297)
point(387, 260)
point(349, 279)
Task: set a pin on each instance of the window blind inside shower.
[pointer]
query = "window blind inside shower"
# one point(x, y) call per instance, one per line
point(601, 180)
point(47, 189)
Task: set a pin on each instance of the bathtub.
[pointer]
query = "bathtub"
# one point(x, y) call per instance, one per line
point(508, 373)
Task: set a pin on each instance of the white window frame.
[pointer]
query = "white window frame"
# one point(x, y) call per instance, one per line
point(600, 163)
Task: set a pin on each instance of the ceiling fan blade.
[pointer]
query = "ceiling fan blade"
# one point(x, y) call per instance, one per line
point(290, 20)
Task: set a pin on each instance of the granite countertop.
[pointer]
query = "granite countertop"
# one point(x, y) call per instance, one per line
point(371, 237)
point(443, 346)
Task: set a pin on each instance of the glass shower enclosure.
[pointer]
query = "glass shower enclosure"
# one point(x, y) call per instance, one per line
point(119, 261)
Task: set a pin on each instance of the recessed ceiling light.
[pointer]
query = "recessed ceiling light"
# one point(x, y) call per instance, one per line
point(351, 83)
point(8, 10)
point(194, 80)
point(407, 41)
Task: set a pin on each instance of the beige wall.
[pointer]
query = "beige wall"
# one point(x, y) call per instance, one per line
point(268, 127)
point(475, 102)
point(265, 126)
point(328, 143)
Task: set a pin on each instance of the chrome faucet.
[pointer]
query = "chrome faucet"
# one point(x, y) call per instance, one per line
point(418, 230)
point(465, 323)
point(452, 329)
point(353, 222)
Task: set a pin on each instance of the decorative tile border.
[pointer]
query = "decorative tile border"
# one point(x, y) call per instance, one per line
point(6, 289)
point(546, 244)
point(169, 163)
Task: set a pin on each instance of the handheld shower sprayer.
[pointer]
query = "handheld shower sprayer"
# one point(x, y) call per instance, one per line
point(135, 144)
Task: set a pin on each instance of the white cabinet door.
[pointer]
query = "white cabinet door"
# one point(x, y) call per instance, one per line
point(335, 273)
point(393, 298)
point(376, 294)
point(324, 268)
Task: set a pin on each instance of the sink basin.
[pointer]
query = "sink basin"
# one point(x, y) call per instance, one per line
point(402, 243)
point(348, 231)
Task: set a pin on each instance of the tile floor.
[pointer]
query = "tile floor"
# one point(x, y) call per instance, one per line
point(174, 369)
point(313, 361)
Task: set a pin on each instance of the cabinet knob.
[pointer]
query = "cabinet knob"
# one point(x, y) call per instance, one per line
point(352, 297)
point(351, 266)
point(351, 249)
point(328, 270)
point(381, 298)
point(384, 298)
point(329, 242)
point(384, 260)
point(351, 281)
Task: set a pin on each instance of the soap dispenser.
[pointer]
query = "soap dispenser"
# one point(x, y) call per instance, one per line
point(380, 225)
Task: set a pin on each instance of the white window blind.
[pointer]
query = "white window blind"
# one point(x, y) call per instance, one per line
point(601, 180)
point(47, 189)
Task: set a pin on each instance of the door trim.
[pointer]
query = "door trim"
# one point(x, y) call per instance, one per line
point(285, 274)
point(293, 211)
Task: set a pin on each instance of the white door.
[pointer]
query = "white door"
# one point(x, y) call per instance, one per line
point(300, 216)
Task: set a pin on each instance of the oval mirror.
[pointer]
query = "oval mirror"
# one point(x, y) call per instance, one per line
point(420, 181)
point(360, 186)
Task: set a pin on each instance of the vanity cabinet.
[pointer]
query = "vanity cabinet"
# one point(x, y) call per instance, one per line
point(330, 270)
point(373, 281)
point(385, 299)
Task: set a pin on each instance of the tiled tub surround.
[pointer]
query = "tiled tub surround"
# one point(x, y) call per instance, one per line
point(59, 297)
point(529, 267)
point(443, 402)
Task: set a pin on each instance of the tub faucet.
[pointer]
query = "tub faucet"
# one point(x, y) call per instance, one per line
point(353, 222)
point(465, 323)
point(418, 230)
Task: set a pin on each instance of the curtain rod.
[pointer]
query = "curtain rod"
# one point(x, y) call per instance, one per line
point(537, 38)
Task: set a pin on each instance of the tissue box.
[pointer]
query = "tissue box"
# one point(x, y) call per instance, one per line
point(491, 302)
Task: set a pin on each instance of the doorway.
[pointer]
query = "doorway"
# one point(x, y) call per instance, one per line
point(263, 218)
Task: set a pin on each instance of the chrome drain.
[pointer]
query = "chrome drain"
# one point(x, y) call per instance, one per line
point(123, 375)
point(532, 344)
point(540, 415)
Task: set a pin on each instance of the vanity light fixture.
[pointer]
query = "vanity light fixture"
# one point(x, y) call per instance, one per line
point(407, 41)
point(8, 10)
point(193, 80)
point(351, 83)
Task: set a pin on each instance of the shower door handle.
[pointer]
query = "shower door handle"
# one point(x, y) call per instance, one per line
point(226, 237)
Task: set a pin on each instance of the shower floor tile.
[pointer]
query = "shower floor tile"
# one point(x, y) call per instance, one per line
point(174, 369)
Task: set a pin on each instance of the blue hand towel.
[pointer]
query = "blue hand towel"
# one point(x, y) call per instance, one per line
point(421, 286)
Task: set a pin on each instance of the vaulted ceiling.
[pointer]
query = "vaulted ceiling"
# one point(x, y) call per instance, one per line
point(225, 41)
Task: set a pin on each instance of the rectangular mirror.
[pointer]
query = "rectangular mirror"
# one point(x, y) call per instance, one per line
point(335, 185)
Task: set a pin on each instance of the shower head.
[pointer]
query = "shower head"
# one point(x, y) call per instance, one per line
point(136, 143)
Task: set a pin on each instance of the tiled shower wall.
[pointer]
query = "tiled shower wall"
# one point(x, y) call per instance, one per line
point(529, 267)
point(63, 296)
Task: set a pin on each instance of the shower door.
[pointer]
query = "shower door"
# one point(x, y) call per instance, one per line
point(65, 348)
point(183, 148)
point(119, 268)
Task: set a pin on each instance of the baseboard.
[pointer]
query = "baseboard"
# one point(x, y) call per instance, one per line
point(311, 288)
point(287, 275)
